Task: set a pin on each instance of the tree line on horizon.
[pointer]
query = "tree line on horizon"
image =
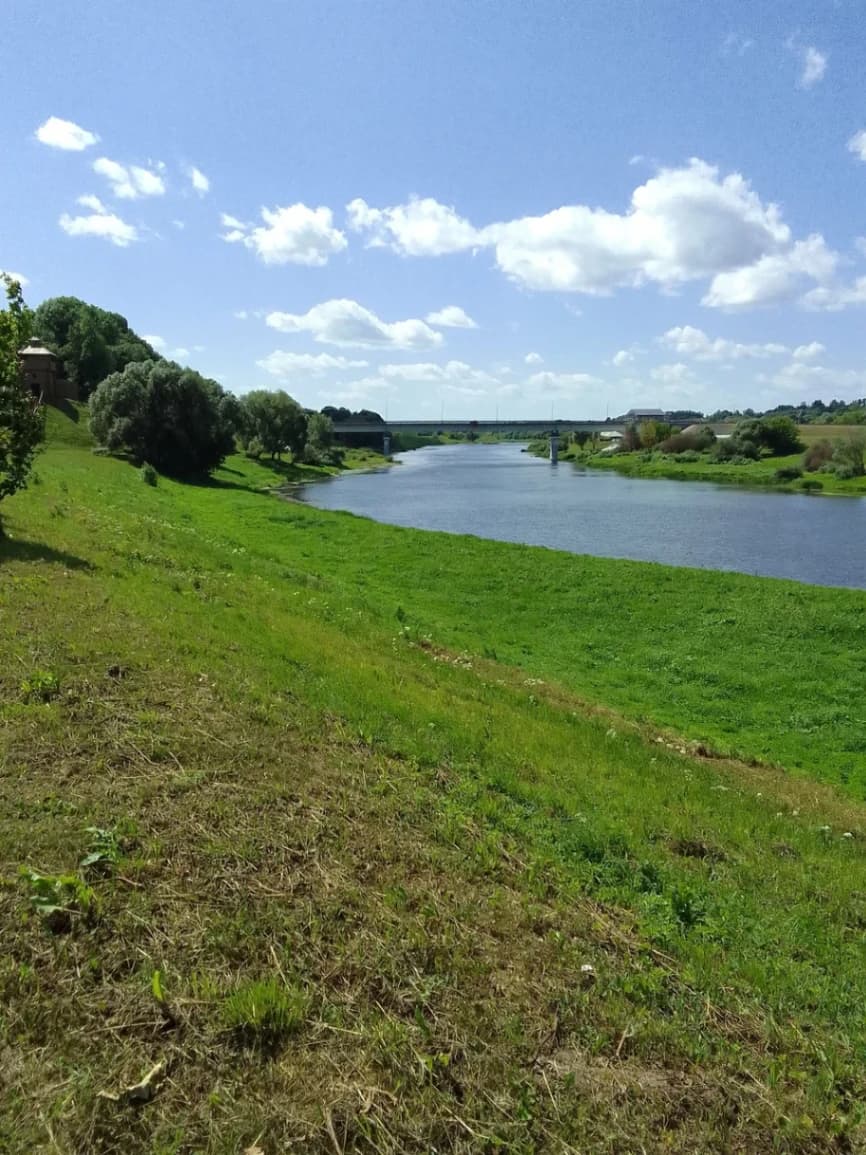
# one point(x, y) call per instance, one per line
point(158, 412)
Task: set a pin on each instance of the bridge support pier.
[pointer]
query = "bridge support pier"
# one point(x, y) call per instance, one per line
point(554, 448)
point(386, 444)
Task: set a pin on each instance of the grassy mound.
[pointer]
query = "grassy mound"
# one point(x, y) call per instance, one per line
point(309, 839)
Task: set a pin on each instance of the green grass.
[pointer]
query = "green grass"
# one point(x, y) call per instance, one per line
point(403, 825)
point(760, 473)
point(264, 1012)
point(753, 473)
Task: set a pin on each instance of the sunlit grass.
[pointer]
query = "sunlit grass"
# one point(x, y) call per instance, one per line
point(407, 816)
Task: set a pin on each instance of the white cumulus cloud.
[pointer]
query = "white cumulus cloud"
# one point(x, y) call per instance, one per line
point(814, 66)
point(129, 182)
point(348, 323)
point(806, 376)
point(99, 222)
point(198, 180)
point(420, 228)
point(19, 277)
point(691, 342)
point(833, 298)
point(807, 352)
point(622, 357)
point(65, 134)
point(456, 376)
point(291, 235)
point(671, 374)
point(533, 359)
point(857, 144)
point(682, 224)
point(561, 382)
point(774, 277)
point(161, 346)
point(451, 317)
point(283, 364)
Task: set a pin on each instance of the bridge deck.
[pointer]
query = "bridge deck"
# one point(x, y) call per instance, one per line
point(545, 425)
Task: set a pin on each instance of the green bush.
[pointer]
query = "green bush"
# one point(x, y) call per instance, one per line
point(148, 474)
point(778, 435)
point(788, 473)
point(734, 450)
point(685, 442)
point(848, 456)
point(817, 455)
point(811, 485)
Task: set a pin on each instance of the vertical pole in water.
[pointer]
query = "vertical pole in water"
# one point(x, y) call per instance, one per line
point(386, 444)
point(554, 448)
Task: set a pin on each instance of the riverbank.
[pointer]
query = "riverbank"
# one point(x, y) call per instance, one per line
point(763, 473)
point(405, 840)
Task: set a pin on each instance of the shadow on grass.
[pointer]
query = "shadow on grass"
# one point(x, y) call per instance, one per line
point(67, 409)
point(13, 549)
point(205, 481)
point(284, 472)
point(290, 471)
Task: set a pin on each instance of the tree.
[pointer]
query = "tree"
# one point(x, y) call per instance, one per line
point(171, 417)
point(276, 421)
point(91, 342)
point(781, 436)
point(652, 432)
point(21, 418)
point(630, 440)
point(320, 432)
point(320, 448)
point(778, 435)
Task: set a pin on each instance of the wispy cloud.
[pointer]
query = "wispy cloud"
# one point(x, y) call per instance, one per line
point(129, 182)
point(814, 66)
point(99, 222)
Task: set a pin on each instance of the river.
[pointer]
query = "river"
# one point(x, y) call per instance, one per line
point(498, 491)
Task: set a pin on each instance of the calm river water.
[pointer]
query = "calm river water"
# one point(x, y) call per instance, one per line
point(499, 492)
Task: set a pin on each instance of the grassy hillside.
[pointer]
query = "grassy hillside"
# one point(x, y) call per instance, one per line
point(372, 875)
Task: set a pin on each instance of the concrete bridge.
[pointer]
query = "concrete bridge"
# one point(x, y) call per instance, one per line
point(533, 428)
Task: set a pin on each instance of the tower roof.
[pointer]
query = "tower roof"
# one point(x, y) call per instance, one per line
point(35, 348)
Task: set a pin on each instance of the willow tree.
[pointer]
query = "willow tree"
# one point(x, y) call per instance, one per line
point(22, 424)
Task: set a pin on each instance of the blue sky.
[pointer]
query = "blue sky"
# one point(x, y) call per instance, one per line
point(477, 205)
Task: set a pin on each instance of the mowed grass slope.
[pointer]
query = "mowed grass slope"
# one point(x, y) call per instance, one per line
point(359, 837)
